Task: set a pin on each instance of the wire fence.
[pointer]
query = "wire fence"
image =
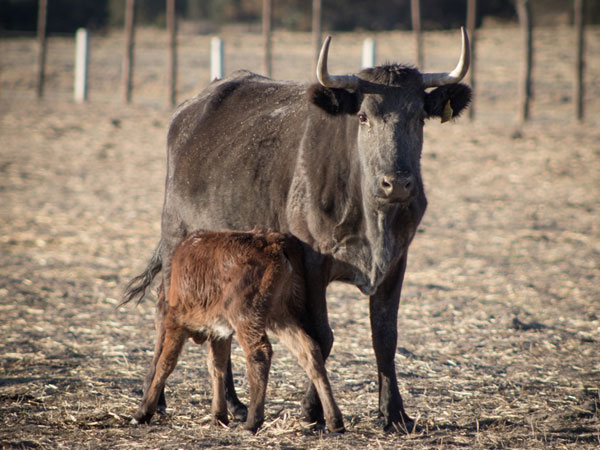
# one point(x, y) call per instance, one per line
point(292, 53)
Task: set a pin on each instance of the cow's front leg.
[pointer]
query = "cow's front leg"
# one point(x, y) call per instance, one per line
point(317, 326)
point(384, 330)
point(311, 404)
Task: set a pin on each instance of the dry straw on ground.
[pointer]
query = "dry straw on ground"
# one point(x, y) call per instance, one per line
point(499, 328)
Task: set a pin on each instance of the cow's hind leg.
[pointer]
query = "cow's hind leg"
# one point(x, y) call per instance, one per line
point(159, 320)
point(218, 355)
point(173, 341)
point(308, 353)
point(172, 233)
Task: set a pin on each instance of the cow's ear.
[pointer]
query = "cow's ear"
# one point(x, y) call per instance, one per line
point(448, 101)
point(333, 101)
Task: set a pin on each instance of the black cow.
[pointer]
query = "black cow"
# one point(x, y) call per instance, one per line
point(336, 163)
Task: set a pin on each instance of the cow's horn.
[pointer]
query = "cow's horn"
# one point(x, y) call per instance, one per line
point(333, 81)
point(440, 79)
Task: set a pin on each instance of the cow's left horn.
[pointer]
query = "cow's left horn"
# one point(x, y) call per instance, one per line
point(333, 81)
point(440, 79)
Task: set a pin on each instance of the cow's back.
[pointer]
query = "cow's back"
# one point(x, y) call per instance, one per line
point(232, 152)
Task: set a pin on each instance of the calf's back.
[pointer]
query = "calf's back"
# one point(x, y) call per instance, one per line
point(219, 277)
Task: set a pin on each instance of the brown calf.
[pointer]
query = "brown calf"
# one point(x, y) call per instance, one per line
point(245, 282)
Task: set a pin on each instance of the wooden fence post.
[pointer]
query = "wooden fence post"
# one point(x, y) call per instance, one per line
point(368, 53)
point(172, 32)
point(41, 38)
point(415, 10)
point(471, 30)
point(266, 26)
point(524, 12)
point(580, 61)
point(216, 59)
point(316, 33)
point(126, 80)
point(81, 65)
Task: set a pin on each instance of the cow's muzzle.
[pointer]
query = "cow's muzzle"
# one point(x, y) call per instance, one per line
point(395, 188)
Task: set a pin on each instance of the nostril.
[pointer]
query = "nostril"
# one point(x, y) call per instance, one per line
point(396, 187)
point(387, 185)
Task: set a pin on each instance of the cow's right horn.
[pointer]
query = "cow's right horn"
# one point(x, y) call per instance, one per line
point(333, 81)
point(461, 69)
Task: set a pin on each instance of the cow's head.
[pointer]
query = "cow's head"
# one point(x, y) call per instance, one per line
point(389, 105)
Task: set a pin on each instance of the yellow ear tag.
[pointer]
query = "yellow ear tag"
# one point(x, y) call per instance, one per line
point(447, 113)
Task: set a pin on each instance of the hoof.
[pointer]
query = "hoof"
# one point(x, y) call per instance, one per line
point(220, 419)
point(161, 410)
point(406, 426)
point(250, 429)
point(313, 413)
point(336, 425)
point(140, 419)
point(238, 410)
point(315, 427)
point(253, 427)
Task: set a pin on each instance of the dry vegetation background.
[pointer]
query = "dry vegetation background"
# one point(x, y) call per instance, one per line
point(499, 329)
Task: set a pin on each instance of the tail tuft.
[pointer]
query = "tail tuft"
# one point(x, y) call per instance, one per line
point(136, 289)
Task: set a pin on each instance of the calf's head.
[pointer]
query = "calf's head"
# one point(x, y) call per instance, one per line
point(388, 106)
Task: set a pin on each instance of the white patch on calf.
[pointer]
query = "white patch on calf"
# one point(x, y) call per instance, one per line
point(219, 329)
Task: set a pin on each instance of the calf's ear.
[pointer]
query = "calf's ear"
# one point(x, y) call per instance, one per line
point(448, 101)
point(333, 101)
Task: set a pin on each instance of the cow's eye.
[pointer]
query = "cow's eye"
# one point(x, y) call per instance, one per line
point(362, 117)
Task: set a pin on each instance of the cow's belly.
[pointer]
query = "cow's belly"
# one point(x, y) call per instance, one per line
point(228, 214)
point(183, 214)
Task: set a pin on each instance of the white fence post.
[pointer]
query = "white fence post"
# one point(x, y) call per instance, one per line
point(216, 58)
point(368, 53)
point(81, 65)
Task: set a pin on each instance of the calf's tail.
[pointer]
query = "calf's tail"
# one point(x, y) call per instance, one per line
point(138, 285)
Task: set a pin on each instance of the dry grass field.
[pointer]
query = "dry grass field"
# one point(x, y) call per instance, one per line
point(499, 327)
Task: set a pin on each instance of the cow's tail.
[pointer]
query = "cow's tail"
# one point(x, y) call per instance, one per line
point(136, 289)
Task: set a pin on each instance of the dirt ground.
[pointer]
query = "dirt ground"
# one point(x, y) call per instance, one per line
point(499, 327)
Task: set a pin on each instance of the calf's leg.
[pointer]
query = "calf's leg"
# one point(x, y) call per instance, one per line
point(234, 405)
point(308, 353)
point(173, 341)
point(218, 355)
point(258, 351)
